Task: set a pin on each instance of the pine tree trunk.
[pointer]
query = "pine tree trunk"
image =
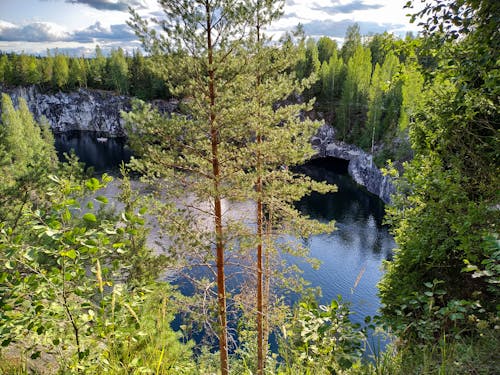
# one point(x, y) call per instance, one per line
point(219, 240)
point(260, 330)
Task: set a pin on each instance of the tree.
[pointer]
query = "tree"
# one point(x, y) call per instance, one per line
point(331, 78)
point(352, 42)
point(97, 69)
point(234, 138)
point(77, 74)
point(411, 93)
point(442, 215)
point(353, 102)
point(205, 144)
point(326, 48)
point(278, 140)
point(308, 63)
point(27, 156)
point(47, 69)
point(117, 69)
point(4, 68)
point(60, 73)
point(69, 287)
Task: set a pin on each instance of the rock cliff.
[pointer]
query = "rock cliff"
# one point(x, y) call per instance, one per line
point(361, 166)
point(82, 110)
point(99, 111)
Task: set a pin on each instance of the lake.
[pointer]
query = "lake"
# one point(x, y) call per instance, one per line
point(351, 256)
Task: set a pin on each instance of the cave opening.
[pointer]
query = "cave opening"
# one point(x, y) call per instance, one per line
point(337, 165)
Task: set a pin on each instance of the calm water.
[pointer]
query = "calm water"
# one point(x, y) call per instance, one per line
point(103, 156)
point(351, 256)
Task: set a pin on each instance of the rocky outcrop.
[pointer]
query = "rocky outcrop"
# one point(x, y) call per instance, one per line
point(361, 166)
point(83, 110)
point(99, 111)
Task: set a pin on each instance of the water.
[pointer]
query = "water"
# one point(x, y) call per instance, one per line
point(351, 255)
point(104, 154)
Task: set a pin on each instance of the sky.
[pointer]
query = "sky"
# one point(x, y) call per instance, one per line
point(77, 26)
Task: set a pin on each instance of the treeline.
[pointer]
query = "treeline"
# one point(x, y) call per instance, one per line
point(369, 89)
point(120, 72)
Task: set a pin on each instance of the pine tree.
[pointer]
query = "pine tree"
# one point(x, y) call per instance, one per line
point(281, 141)
point(204, 144)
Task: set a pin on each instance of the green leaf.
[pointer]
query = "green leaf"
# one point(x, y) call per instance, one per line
point(66, 215)
point(102, 199)
point(89, 217)
point(70, 254)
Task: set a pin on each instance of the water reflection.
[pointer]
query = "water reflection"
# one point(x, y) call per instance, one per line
point(351, 255)
point(104, 154)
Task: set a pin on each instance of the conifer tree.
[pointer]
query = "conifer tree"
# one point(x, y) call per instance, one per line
point(233, 145)
point(281, 140)
point(206, 35)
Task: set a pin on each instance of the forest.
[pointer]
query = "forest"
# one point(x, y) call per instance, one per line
point(83, 289)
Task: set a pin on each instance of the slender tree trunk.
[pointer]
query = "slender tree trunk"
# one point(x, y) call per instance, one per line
point(260, 309)
point(219, 240)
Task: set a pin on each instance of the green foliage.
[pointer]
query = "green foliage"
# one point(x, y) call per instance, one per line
point(68, 287)
point(60, 72)
point(27, 156)
point(444, 216)
point(320, 339)
point(352, 42)
point(77, 73)
point(354, 98)
point(326, 48)
point(117, 70)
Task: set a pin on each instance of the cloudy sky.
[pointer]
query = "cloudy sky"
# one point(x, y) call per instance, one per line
point(76, 26)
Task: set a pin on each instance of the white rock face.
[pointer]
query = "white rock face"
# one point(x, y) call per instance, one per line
point(361, 167)
point(83, 110)
point(99, 111)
